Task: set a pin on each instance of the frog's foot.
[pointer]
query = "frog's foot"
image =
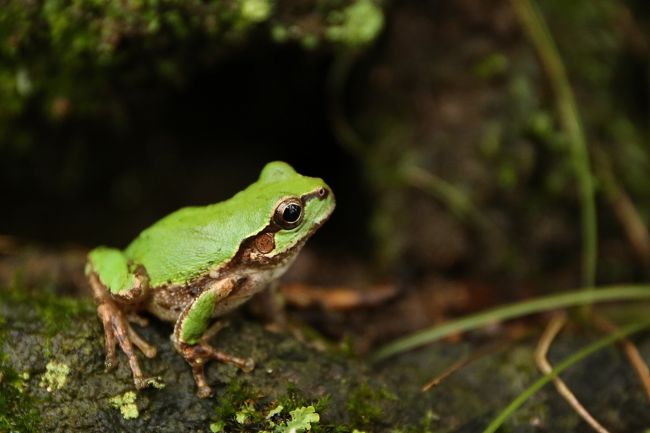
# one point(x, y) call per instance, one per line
point(118, 331)
point(146, 348)
point(139, 320)
point(269, 305)
point(213, 330)
point(198, 354)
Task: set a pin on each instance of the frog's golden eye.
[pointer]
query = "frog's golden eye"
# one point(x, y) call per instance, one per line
point(288, 214)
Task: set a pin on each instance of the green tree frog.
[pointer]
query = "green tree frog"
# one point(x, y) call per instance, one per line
point(199, 263)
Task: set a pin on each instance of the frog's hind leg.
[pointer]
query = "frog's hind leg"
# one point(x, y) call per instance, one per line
point(115, 288)
point(139, 320)
point(147, 349)
point(191, 334)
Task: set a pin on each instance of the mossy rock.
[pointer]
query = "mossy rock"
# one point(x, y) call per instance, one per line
point(53, 379)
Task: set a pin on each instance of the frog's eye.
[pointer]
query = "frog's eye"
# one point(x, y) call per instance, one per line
point(288, 214)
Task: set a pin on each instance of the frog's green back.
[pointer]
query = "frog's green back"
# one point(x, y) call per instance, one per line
point(188, 242)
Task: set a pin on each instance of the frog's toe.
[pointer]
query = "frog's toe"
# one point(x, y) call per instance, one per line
point(118, 331)
point(149, 351)
point(204, 391)
point(138, 319)
point(148, 382)
point(105, 315)
point(110, 362)
point(146, 348)
point(248, 365)
point(155, 382)
point(140, 382)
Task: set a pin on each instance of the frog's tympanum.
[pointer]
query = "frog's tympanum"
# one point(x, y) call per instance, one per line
point(199, 263)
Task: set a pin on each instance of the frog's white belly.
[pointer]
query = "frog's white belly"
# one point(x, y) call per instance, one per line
point(253, 282)
point(167, 303)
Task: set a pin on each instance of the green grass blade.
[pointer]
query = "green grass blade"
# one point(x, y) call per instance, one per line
point(545, 303)
point(566, 363)
point(567, 110)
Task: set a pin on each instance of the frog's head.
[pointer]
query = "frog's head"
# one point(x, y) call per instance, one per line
point(297, 206)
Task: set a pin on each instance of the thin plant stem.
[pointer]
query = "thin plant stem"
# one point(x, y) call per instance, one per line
point(628, 215)
point(337, 78)
point(566, 363)
point(534, 23)
point(466, 360)
point(633, 355)
point(495, 315)
point(552, 330)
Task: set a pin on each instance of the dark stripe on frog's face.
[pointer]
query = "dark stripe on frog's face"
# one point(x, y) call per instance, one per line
point(317, 206)
point(321, 193)
point(274, 246)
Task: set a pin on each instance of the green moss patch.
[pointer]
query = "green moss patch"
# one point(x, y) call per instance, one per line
point(126, 404)
point(55, 377)
point(17, 411)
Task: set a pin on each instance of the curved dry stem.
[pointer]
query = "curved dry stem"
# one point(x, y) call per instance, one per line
point(498, 421)
point(554, 326)
point(624, 209)
point(633, 355)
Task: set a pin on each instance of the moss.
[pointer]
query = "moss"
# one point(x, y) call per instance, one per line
point(126, 404)
point(17, 409)
point(230, 403)
point(256, 10)
point(491, 66)
point(301, 420)
point(47, 45)
point(279, 33)
point(256, 401)
point(365, 404)
point(491, 139)
point(57, 312)
point(55, 377)
point(241, 409)
point(37, 38)
point(356, 25)
point(309, 42)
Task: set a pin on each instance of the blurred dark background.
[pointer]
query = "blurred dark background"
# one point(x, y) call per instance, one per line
point(433, 122)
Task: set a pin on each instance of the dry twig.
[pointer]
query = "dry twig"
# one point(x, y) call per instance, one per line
point(632, 353)
point(626, 212)
point(516, 335)
point(453, 368)
point(551, 331)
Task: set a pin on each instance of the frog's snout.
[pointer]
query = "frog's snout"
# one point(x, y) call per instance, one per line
point(322, 193)
point(325, 195)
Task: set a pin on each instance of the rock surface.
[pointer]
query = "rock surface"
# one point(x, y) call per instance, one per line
point(53, 380)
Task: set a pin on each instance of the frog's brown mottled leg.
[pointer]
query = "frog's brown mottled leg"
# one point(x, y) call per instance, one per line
point(213, 330)
point(139, 320)
point(109, 337)
point(146, 348)
point(118, 331)
point(198, 354)
point(269, 304)
point(191, 332)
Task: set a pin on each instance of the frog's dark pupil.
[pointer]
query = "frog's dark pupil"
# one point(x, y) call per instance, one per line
point(291, 213)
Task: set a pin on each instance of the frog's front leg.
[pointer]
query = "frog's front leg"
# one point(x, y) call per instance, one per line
point(118, 290)
point(191, 333)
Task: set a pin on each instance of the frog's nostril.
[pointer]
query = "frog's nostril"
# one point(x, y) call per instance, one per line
point(322, 193)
